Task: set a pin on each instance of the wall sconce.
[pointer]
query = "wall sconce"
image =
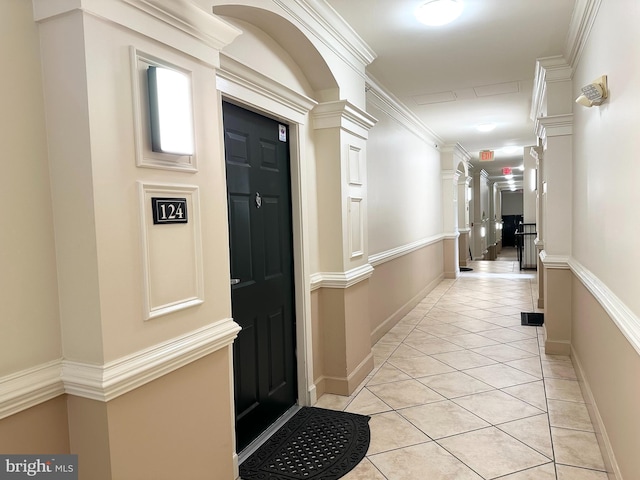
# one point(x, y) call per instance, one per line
point(595, 93)
point(170, 111)
point(483, 232)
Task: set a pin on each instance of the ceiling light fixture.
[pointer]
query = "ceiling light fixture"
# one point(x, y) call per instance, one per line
point(486, 127)
point(439, 12)
point(511, 149)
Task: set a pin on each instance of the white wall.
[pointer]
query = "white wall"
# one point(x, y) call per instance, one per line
point(404, 183)
point(606, 170)
point(512, 203)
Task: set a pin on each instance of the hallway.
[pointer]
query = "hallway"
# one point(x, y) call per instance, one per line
point(462, 391)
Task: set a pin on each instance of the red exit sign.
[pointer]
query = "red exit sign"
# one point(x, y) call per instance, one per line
point(506, 171)
point(486, 155)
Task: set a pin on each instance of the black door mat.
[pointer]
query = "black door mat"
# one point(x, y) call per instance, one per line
point(314, 444)
point(466, 269)
point(531, 319)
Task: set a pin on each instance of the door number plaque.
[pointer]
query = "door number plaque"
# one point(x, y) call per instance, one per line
point(169, 210)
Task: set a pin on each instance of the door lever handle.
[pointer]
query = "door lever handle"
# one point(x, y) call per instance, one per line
point(235, 281)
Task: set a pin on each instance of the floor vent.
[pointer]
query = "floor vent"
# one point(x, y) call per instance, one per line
point(531, 319)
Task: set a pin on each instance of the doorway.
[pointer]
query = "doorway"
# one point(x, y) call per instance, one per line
point(261, 256)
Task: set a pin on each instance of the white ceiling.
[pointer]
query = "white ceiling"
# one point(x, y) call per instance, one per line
point(478, 69)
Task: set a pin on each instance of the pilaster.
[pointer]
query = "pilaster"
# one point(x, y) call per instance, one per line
point(552, 107)
point(341, 130)
point(111, 260)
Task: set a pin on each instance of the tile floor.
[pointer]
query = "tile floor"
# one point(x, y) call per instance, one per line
point(462, 391)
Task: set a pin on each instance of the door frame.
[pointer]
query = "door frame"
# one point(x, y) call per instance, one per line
point(242, 86)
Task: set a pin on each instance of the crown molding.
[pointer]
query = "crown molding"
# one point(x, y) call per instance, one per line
point(339, 30)
point(30, 387)
point(204, 34)
point(389, 104)
point(582, 20)
point(341, 279)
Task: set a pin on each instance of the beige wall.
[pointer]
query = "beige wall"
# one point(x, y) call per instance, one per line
point(28, 290)
point(42, 429)
point(611, 369)
point(397, 285)
point(177, 426)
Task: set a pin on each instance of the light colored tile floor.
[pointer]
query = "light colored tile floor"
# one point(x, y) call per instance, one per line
point(462, 391)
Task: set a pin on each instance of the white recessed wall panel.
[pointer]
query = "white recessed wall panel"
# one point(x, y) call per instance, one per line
point(356, 227)
point(355, 165)
point(172, 253)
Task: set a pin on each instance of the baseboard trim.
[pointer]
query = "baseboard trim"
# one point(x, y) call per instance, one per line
point(555, 347)
point(604, 443)
point(347, 385)
point(396, 316)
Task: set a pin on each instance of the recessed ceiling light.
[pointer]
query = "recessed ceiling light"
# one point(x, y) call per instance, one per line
point(439, 12)
point(511, 149)
point(486, 127)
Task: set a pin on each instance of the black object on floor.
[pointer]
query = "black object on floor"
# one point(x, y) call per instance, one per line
point(531, 319)
point(314, 444)
point(466, 269)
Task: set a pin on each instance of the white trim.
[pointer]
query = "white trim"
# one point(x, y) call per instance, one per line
point(393, 253)
point(327, 21)
point(627, 321)
point(341, 279)
point(115, 378)
point(30, 387)
point(554, 126)
point(33, 386)
point(190, 29)
point(343, 114)
point(393, 107)
point(555, 262)
point(237, 81)
point(548, 70)
point(582, 20)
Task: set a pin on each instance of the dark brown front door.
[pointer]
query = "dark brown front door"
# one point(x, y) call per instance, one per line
point(260, 237)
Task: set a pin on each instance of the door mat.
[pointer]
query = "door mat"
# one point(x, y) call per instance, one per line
point(531, 319)
point(314, 444)
point(466, 269)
